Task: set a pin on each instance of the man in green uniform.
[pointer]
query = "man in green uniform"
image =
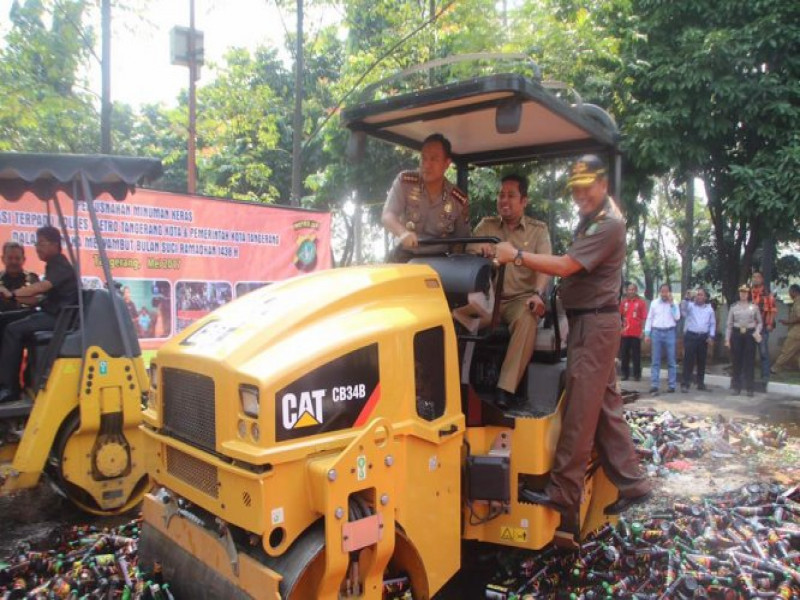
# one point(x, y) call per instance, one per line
point(522, 302)
point(591, 271)
point(423, 204)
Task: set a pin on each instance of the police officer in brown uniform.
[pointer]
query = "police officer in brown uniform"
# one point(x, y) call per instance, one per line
point(742, 335)
point(522, 302)
point(591, 271)
point(423, 204)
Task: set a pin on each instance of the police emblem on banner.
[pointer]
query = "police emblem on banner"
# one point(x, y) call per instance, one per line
point(305, 254)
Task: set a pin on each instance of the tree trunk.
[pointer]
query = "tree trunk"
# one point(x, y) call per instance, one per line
point(688, 249)
point(297, 121)
point(729, 263)
point(768, 260)
point(105, 102)
point(639, 231)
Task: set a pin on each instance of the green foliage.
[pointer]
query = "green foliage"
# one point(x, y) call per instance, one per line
point(45, 106)
point(713, 88)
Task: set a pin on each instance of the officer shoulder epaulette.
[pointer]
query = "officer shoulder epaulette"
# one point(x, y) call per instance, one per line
point(459, 195)
point(410, 177)
point(491, 220)
point(535, 222)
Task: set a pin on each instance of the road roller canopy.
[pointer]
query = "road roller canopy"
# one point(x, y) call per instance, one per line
point(489, 120)
point(46, 174)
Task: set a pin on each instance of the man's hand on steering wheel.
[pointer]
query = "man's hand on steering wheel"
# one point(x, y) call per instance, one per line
point(409, 240)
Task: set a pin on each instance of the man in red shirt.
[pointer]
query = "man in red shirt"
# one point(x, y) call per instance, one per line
point(765, 302)
point(634, 312)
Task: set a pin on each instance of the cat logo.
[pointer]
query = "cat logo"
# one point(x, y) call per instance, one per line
point(303, 412)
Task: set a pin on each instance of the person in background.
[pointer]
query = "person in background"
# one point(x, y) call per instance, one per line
point(522, 304)
point(790, 351)
point(13, 276)
point(742, 333)
point(423, 204)
point(700, 328)
point(661, 327)
point(634, 312)
point(59, 289)
point(765, 302)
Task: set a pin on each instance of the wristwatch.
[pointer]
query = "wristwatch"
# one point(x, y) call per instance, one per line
point(518, 258)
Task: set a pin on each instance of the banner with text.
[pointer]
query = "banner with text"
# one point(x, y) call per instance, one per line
point(179, 257)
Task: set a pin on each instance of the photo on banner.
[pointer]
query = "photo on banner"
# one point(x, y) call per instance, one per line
point(149, 305)
point(195, 299)
point(245, 287)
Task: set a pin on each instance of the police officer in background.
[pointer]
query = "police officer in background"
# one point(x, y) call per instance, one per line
point(13, 276)
point(591, 271)
point(423, 204)
point(59, 289)
point(742, 335)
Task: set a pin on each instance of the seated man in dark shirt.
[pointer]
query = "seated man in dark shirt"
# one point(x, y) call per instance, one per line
point(14, 277)
point(59, 289)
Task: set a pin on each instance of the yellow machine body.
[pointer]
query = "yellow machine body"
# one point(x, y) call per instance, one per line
point(84, 424)
point(318, 420)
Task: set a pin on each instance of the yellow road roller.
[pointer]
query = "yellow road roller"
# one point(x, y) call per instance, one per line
point(332, 436)
point(78, 419)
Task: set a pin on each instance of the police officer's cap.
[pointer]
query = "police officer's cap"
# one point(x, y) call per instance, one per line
point(586, 170)
point(744, 288)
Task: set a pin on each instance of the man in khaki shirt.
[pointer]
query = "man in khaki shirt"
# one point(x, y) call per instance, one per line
point(522, 302)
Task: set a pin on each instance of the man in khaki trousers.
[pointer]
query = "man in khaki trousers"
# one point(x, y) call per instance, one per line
point(522, 303)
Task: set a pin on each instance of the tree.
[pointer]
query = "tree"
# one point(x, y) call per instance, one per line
point(46, 106)
point(714, 90)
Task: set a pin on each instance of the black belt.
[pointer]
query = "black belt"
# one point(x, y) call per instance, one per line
point(577, 312)
point(700, 333)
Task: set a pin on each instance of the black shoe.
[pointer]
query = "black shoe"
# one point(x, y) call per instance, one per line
point(671, 391)
point(623, 503)
point(540, 498)
point(701, 387)
point(654, 391)
point(637, 378)
point(6, 395)
point(684, 389)
point(624, 378)
point(503, 399)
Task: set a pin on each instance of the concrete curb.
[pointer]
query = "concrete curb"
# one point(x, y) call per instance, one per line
point(723, 381)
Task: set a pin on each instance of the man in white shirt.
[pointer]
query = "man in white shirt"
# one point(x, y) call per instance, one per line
point(660, 327)
point(698, 334)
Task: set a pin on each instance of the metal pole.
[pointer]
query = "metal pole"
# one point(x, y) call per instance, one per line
point(297, 122)
point(105, 109)
point(101, 250)
point(192, 175)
